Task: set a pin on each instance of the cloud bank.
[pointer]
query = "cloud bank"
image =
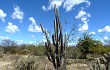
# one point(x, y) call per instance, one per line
point(67, 4)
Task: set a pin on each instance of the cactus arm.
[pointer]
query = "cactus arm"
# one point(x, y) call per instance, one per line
point(55, 55)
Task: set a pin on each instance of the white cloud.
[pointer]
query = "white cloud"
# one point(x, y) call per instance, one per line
point(33, 27)
point(77, 38)
point(99, 30)
point(32, 20)
point(20, 41)
point(105, 38)
point(30, 42)
point(11, 28)
point(84, 18)
point(84, 27)
point(92, 33)
point(44, 8)
point(2, 15)
point(67, 4)
point(52, 3)
point(80, 14)
point(4, 37)
point(105, 29)
point(18, 13)
point(44, 40)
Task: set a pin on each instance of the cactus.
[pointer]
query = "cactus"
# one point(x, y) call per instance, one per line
point(97, 65)
point(56, 55)
point(106, 59)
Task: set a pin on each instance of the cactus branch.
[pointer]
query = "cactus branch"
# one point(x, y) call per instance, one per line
point(56, 55)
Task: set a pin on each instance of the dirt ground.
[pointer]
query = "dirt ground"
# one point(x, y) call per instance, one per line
point(6, 64)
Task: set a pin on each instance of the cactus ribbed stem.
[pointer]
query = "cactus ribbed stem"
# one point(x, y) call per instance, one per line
point(55, 55)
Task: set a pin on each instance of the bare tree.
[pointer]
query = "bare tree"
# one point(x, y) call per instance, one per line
point(8, 42)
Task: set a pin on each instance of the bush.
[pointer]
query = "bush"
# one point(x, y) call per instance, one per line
point(100, 50)
point(73, 53)
point(31, 49)
point(40, 51)
point(28, 63)
point(25, 49)
point(1, 52)
point(87, 45)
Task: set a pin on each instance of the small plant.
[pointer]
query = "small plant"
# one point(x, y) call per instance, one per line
point(1, 52)
point(28, 63)
point(73, 53)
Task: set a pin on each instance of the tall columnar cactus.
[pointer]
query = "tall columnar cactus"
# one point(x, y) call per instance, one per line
point(56, 54)
point(97, 65)
point(106, 59)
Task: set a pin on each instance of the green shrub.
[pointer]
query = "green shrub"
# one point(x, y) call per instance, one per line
point(30, 49)
point(87, 45)
point(29, 63)
point(100, 50)
point(73, 53)
point(40, 51)
point(1, 52)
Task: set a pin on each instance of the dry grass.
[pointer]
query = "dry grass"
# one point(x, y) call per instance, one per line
point(8, 62)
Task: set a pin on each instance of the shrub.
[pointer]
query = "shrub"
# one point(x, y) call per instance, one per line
point(86, 45)
point(73, 53)
point(100, 50)
point(28, 63)
point(1, 52)
point(40, 51)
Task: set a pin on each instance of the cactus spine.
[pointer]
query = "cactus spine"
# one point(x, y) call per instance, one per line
point(56, 55)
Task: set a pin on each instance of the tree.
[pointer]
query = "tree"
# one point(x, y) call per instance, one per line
point(86, 43)
point(9, 45)
point(8, 42)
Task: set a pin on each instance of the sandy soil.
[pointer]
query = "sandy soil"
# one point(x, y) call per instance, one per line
point(4, 65)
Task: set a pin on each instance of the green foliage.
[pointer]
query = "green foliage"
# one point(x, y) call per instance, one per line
point(40, 51)
point(100, 50)
point(1, 52)
point(73, 53)
point(32, 63)
point(28, 63)
point(33, 50)
point(86, 45)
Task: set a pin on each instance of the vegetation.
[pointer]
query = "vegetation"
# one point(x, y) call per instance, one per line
point(105, 65)
point(73, 53)
point(1, 52)
point(57, 51)
point(87, 45)
point(56, 55)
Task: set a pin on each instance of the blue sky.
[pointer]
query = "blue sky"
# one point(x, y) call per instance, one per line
point(20, 19)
